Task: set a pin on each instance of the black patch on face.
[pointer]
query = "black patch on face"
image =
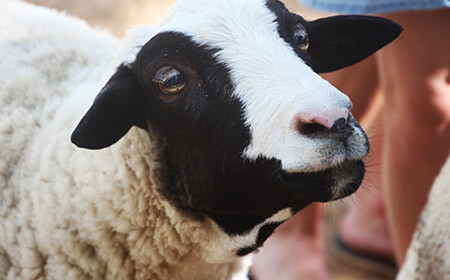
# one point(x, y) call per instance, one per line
point(202, 135)
point(286, 23)
point(335, 42)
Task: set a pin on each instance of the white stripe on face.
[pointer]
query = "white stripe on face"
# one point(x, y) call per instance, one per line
point(275, 86)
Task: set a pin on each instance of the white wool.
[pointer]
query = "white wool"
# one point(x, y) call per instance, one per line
point(428, 256)
point(68, 213)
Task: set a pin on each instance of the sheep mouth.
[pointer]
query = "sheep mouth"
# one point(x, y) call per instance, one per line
point(329, 184)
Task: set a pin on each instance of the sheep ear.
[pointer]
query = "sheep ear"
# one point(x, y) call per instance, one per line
point(340, 41)
point(116, 109)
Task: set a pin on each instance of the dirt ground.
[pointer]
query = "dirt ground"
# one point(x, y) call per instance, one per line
point(119, 15)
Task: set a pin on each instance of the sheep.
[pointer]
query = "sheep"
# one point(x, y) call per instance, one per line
point(429, 253)
point(213, 129)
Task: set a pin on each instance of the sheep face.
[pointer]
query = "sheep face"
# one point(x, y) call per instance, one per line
point(246, 126)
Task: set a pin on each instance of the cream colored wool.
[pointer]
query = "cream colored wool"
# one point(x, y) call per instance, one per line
point(429, 254)
point(68, 213)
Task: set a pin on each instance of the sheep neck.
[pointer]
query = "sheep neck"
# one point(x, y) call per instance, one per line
point(156, 232)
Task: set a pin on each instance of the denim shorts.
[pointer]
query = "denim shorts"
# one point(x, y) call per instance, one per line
point(375, 6)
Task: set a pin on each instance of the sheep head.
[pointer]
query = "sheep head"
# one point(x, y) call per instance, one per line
point(247, 128)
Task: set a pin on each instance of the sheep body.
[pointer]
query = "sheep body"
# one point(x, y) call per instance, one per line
point(428, 256)
point(61, 219)
point(197, 177)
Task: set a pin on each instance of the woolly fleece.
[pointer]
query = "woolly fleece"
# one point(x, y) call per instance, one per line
point(68, 213)
point(428, 256)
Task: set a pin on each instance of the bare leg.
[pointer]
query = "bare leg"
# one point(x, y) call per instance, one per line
point(415, 78)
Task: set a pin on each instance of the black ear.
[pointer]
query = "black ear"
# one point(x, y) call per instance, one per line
point(117, 107)
point(340, 41)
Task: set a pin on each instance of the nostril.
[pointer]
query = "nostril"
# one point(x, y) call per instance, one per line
point(340, 123)
point(310, 128)
point(322, 125)
point(341, 129)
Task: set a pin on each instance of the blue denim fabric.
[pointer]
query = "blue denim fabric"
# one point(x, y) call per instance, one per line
point(375, 6)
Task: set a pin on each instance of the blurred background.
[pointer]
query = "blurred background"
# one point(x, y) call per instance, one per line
point(119, 15)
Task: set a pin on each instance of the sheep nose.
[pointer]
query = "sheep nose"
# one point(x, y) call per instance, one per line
point(321, 124)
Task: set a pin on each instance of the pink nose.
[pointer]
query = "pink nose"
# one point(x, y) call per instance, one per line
point(320, 123)
point(327, 123)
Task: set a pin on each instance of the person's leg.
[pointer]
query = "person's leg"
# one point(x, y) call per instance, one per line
point(415, 78)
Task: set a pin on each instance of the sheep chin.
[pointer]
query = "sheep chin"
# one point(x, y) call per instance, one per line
point(329, 184)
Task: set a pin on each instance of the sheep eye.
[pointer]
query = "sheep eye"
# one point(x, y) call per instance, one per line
point(170, 80)
point(301, 39)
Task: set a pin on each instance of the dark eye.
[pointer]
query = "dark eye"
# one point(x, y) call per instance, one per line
point(170, 80)
point(301, 39)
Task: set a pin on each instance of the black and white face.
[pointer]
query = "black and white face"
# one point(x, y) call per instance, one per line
point(249, 132)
